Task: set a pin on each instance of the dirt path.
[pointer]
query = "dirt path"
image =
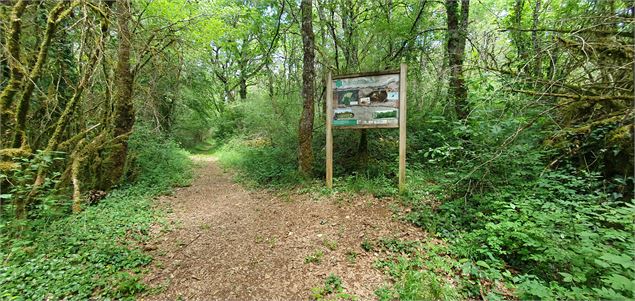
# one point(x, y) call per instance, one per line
point(231, 243)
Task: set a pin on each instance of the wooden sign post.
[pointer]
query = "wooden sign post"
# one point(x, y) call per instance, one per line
point(367, 101)
point(329, 132)
point(402, 127)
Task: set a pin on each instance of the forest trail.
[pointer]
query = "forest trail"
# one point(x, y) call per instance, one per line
point(232, 243)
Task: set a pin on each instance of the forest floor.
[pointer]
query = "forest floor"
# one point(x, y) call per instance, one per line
point(231, 242)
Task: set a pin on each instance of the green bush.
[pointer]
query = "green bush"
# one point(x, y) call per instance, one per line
point(565, 236)
point(227, 124)
point(191, 128)
point(565, 233)
point(158, 162)
point(49, 204)
point(264, 165)
point(569, 238)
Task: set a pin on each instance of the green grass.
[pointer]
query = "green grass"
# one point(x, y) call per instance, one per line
point(330, 244)
point(351, 256)
point(367, 245)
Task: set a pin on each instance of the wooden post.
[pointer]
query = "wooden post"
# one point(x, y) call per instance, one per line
point(329, 131)
point(402, 127)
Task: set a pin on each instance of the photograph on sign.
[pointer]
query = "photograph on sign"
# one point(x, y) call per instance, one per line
point(366, 101)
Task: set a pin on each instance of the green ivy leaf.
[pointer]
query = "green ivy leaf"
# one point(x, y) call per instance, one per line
point(623, 260)
point(619, 282)
point(482, 264)
point(601, 263)
point(567, 277)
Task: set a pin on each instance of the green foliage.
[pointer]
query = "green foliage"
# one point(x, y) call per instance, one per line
point(367, 245)
point(43, 205)
point(264, 151)
point(192, 128)
point(420, 271)
point(570, 238)
point(158, 161)
point(333, 284)
point(333, 287)
point(564, 234)
point(262, 165)
point(351, 256)
point(80, 255)
point(227, 124)
point(378, 186)
point(503, 211)
point(95, 253)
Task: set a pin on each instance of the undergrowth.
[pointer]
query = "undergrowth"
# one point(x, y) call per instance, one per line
point(96, 253)
point(420, 271)
point(333, 289)
point(260, 163)
point(521, 217)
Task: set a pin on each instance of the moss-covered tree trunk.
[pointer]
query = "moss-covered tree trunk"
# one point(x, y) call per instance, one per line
point(13, 62)
point(308, 75)
point(57, 13)
point(124, 115)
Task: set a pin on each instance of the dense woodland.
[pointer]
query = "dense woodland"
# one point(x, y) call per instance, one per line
point(520, 130)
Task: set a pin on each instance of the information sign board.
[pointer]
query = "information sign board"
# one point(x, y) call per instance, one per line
point(366, 101)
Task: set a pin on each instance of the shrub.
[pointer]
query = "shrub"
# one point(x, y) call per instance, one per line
point(264, 165)
point(158, 162)
point(564, 234)
point(570, 238)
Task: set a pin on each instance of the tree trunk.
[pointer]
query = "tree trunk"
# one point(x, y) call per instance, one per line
point(518, 36)
point(457, 34)
point(13, 61)
point(65, 118)
point(350, 35)
point(308, 75)
point(535, 40)
point(124, 115)
point(243, 88)
point(57, 13)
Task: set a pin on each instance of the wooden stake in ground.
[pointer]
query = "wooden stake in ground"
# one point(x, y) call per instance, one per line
point(329, 131)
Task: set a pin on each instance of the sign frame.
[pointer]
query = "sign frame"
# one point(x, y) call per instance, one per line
point(401, 125)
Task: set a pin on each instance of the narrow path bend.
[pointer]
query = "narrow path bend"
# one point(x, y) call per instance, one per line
point(230, 243)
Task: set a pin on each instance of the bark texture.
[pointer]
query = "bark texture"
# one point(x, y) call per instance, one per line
point(13, 61)
point(124, 115)
point(457, 35)
point(308, 75)
point(55, 16)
